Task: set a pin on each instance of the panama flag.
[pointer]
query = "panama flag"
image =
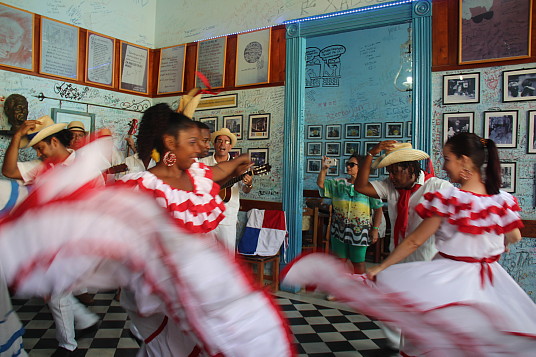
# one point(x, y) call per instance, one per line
point(265, 232)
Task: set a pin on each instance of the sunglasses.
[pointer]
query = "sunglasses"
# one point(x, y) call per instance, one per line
point(351, 164)
point(478, 19)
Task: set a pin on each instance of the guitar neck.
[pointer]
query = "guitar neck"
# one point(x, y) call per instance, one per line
point(234, 180)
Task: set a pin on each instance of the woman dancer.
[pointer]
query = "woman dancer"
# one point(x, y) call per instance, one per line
point(470, 304)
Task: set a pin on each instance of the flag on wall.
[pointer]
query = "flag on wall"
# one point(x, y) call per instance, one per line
point(265, 232)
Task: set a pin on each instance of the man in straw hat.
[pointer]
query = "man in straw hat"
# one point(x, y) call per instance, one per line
point(223, 141)
point(79, 134)
point(403, 190)
point(50, 141)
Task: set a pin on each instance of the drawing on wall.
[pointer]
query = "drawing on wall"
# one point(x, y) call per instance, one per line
point(323, 67)
point(501, 127)
point(457, 123)
point(16, 37)
point(253, 57)
point(519, 85)
point(461, 88)
point(234, 124)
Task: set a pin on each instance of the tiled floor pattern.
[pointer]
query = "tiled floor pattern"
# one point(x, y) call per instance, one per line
point(321, 328)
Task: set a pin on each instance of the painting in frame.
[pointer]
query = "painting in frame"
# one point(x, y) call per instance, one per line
point(259, 126)
point(333, 131)
point(333, 170)
point(352, 131)
point(134, 68)
point(486, 24)
point(508, 175)
point(211, 122)
point(253, 57)
point(394, 130)
point(314, 149)
point(234, 152)
point(67, 116)
point(171, 69)
point(259, 156)
point(100, 59)
point(314, 131)
point(501, 127)
point(519, 85)
point(454, 123)
point(531, 137)
point(313, 165)
point(59, 49)
point(373, 130)
point(17, 28)
point(234, 124)
point(351, 147)
point(409, 129)
point(461, 88)
point(211, 61)
point(369, 145)
point(333, 149)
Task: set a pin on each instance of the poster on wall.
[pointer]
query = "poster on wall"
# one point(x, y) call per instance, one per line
point(171, 69)
point(59, 49)
point(100, 59)
point(494, 30)
point(253, 57)
point(134, 64)
point(211, 61)
point(16, 40)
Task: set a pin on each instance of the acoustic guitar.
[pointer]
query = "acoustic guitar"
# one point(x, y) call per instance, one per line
point(225, 192)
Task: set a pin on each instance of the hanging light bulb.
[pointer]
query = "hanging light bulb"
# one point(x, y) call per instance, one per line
point(404, 77)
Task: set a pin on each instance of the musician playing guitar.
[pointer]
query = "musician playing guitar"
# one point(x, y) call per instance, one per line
point(223, 141)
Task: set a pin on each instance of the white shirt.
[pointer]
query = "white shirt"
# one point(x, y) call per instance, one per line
point(29, 170)
point(386, 190)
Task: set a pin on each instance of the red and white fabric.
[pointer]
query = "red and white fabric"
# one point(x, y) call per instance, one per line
point(447, 306)
point(198, 211)
point(264, 234)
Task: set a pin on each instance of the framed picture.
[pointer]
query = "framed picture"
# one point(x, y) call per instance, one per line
point(258, 156)
point(211, 122)
point(59, 49)
point(457, 123)
point(67, 116)
point(351, 147)
point(374, 173)
point(314, 131)
point(383, 171)
point(494, 30)
point(519, 85)
point(333, 131)
point(409, 129)
point(253, 57)
point(234, 124)
point(17, 46)
point(171, 69)
point(234, 152)
point(313, 165)
point(259, 126)
point(461, 88)
point(373, 130)
point(333, 170)
point(100, 59)
point(531, 133)
point(134, 68)
point(211, 61)
point(508, 175)
point(369, 145)
point(333, 149)
point(218, 102)
point(314, 149)
point(352, 131)
point(394, 130)
point(501, 127)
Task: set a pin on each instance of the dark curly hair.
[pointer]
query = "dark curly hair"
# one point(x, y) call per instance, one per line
point(413, 167)
point(157, 121)
point(64, 137)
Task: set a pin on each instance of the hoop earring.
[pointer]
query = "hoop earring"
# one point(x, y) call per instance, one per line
point(169, 159)
point(466, 174)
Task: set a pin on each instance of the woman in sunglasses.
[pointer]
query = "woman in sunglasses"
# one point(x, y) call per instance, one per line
point(351, 228)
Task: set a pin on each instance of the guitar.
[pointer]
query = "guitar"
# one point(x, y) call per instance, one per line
point(133, 126)
point(225, 192)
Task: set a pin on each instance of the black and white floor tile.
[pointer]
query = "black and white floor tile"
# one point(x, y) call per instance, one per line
point(320, 327)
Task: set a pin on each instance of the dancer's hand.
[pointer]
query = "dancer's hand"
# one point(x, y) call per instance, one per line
point(372, 272)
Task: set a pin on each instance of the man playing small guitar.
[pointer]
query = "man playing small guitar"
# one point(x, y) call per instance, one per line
point(223, 141)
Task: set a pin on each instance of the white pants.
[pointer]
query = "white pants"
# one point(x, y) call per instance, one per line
point(69, 314)
point(226, 234)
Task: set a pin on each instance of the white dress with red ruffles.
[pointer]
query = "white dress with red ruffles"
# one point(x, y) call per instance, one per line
point(197, 211)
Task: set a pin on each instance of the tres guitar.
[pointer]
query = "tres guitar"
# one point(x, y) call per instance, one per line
point(225, 192)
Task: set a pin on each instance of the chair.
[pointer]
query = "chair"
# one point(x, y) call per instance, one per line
point(260, 245)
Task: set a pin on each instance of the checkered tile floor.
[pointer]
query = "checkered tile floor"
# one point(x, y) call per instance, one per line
point(321, 328)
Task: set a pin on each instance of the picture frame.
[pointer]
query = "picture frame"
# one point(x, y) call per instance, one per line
point(313, 166)
point(134, 68)
point(461, 88)
point(394, 130)
point(373, 130)
point(314, 131)
point(234, 124)
point(333, 149)
point(253, 57)
point(259, 156)
point(352, 131)
point(259, 126)
point(234, 152)
point(211, 61)
point(374, 173)
point(218, 102)
point(351, 147)
point(531, 132)
point(457, 123)
point(501, 127)
point(59, 49)
point(18, 27)
point(409, 129)
point(171, 69)
point(484, 25)
point(67, 116)
point(369, 145)
point(333, 131)
point(314, 149)
point(508, 175)
point(519, 85)
point(333, 170)
point(100, 59)
point(211, 122)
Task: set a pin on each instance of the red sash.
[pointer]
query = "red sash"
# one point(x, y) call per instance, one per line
point(484, 265)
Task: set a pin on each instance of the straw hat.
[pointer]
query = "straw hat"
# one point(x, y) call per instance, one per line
point(44, 128)
point(76, 126)
point(189, 102)
point(401, 152)
point(223, 131)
